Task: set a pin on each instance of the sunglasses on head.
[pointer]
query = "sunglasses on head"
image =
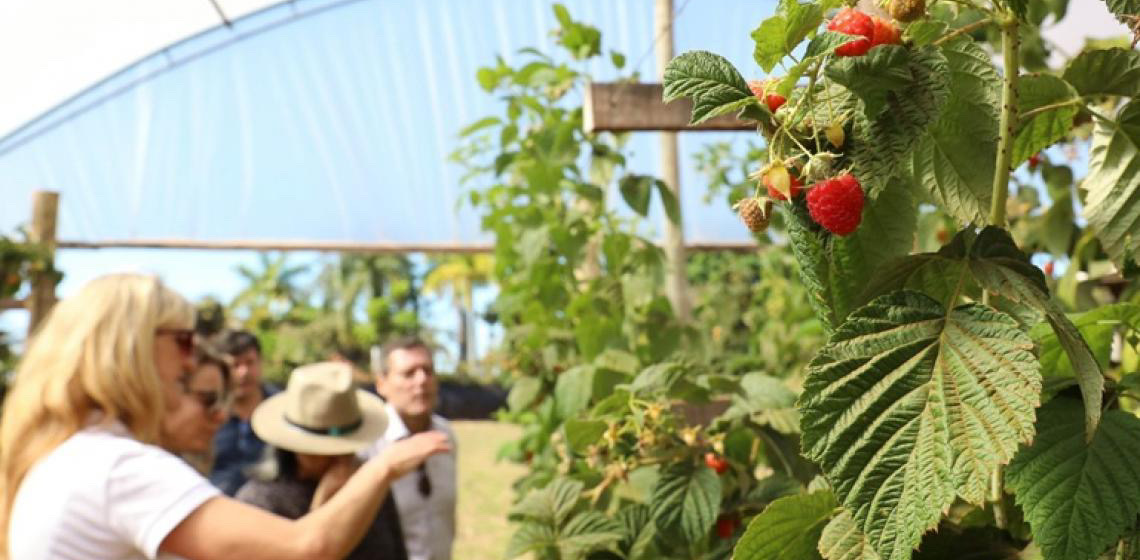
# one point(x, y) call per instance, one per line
point(184, 338)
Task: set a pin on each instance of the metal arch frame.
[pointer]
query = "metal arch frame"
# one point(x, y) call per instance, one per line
point(28, 132)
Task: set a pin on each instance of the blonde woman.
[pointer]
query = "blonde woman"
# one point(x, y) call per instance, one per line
point(82, 476)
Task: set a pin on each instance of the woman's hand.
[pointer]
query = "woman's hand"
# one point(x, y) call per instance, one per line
point(405, 455)
point(331, 481)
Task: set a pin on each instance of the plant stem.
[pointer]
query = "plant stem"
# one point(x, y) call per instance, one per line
point(1008, 122)
point(997, 495)
point(963, 30)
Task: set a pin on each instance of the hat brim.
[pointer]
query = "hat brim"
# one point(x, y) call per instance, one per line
point(268, 422)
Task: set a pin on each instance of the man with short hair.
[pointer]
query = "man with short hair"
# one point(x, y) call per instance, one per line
point(426, 498)
point(236, 447)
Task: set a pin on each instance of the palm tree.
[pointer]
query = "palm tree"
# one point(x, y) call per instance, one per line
point(458, 276)
point(270, 292)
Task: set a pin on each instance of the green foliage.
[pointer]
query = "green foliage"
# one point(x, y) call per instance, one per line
point(1047, 127)
point(1112, 205)
point(914, 403)
point(883, 140)
point(713, 84)
point(778, 35)
point(553, 525)
point(685, 503)
point(953, 159)
point(788, 529)
point(1105, 72)
point(1098, 327)
point(1079, 496)
point(842, 540)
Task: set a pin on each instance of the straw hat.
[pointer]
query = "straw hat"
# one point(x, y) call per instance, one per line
point(321, 413)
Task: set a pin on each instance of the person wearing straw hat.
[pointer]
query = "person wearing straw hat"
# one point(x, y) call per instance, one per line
point(316, 427)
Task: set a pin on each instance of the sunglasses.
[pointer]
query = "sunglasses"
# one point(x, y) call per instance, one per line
point(212, 401)
point(184, 338)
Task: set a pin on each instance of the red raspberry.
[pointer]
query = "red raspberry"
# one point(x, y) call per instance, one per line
point(853, 22)
point(1049, 269)
point(837, 204)
point(726, 526)
point(716, 462)
point(1034, 161)
point(884, 33)
point(772, 100)
point(795, 186)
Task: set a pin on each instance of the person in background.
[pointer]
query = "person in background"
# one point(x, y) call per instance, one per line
point(308, 466)
point(82, 476)
point(236, 447)
point(189, 429)
point(426, 499)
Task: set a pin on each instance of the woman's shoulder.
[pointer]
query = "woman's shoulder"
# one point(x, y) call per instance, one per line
point(284, 496)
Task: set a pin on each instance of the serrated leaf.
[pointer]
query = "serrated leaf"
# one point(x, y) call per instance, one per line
point(911, 404)
point(872, 76)
point(708, 79)
point(587, 532)
point(953, 159)
point(992, 262)
point(551, 505)
point(926, 31)
point(881, 144)
point(1112, 206)
point(812, 261)
point(826, 43)
point(1124, 9)
point(637, 520)
point(788, 529)
point(769, 40)
point(685, 503)
point(1078, 497)
point(657, 378)
point(842, 540)
point(802, 19)
point(1043, 129)
point(530, 537)
point(1105, 72)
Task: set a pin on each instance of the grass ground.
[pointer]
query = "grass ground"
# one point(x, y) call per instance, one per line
point(484, 490)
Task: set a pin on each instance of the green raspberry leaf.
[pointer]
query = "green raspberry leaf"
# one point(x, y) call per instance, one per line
point(1112, 206)
point(911, 404)
point(842, 540)
point(685, 503)
point(870, 77)
point(926, 31)
point(1123, 9)
point(1105, 72)
point(779, 35)
point(954, 159)
point(881, 145)
point(709, 80)
point(788, 529)
point(1078, 496)
point(1043, 129)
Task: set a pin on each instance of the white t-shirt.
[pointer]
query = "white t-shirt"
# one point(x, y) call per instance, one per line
point(102, 495)
point(428, 523)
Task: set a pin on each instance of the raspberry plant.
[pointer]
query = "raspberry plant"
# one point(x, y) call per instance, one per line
point(924, 409)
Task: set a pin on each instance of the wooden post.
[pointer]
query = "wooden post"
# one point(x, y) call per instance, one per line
point(676, 281)
point(45, 208)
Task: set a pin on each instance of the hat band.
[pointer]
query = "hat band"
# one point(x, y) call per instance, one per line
point(334, 431)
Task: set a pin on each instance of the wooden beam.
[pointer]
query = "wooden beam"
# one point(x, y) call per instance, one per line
point(337, 246)
point(624, 107)
point(9, 303)
point(45, 207)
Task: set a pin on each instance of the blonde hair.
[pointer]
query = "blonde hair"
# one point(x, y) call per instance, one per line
point(93, 353)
